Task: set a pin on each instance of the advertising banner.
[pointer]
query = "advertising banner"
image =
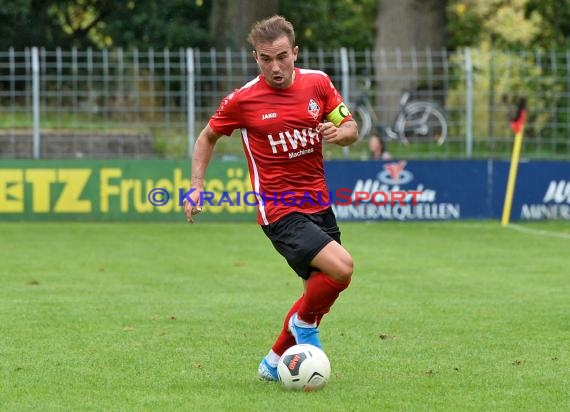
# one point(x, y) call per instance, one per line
point(398, 190)
point(115, 190)
point(410, 190)
point(542, 190)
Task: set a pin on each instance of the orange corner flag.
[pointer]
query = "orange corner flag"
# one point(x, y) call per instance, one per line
point(518, 123)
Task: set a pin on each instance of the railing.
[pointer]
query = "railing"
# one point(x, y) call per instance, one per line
point(152, 103)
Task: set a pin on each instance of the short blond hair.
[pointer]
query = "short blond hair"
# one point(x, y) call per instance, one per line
point(270, 29)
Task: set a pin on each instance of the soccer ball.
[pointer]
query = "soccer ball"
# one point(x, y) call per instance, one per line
point(304, 367)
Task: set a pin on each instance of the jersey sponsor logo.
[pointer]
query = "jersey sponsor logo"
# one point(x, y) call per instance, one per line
point(293, 139)
point(266, 116)
point(313, 109)
point(301, 152)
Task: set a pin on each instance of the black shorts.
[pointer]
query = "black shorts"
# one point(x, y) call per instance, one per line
point(300, 237)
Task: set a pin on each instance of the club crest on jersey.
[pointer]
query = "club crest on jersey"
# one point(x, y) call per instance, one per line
point(313, 109)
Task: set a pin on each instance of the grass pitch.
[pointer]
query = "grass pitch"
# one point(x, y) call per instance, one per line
point(170, 317)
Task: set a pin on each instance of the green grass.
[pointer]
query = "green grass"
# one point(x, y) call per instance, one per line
point(171, 317)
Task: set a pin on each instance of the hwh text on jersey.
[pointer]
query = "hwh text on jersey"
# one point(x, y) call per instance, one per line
point(290, 140)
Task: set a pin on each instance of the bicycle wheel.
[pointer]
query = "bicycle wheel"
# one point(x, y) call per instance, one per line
point(363, 119)
point(421, 121)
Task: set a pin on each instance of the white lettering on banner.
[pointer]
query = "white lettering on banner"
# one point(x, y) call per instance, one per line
point(372, 186)
point(294, 138)
point(554, 203)
point(557, 192)
point(542, 211)
point(420, 202)
point(423, 211)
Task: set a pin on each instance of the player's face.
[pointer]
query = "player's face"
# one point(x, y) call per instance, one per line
point(276, 61)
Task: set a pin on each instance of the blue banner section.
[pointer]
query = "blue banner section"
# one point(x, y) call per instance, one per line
point(542, 190)
point(447, 190)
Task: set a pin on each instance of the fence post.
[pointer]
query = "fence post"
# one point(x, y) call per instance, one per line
point(190, 100)
point(345, 84)
point(12, 82)
point(36, 100)
point(468, 104)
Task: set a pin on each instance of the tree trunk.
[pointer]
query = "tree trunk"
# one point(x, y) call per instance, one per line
point(231, 20)
point(404, 26)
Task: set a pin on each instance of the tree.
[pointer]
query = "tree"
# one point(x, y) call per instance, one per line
point(332, 24)
point(231, 20)
point(104, 23)
point(554, 22)
point(513, 24)
point(27, 23)
point(160, 24)
point(406, 25)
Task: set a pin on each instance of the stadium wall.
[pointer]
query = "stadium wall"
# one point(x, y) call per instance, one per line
point(152, 190)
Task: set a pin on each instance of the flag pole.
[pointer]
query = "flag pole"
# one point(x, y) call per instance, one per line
point(517, 125)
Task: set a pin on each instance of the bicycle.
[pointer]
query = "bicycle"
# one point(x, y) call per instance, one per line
point(416, 120)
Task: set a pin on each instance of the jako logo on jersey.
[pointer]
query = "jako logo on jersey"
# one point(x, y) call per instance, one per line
point(268, 116)
point(313, 109)
point(394, 174)
point(291, 139)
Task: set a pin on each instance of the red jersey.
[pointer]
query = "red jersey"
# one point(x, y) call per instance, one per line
point(280, 140)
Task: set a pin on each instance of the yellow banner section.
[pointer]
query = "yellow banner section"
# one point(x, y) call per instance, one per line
point(108, 190)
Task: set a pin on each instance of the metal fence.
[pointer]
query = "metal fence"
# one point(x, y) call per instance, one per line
point(152, 103)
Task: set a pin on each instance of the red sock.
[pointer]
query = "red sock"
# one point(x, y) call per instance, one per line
point(285, 340)
point(320, 293)
point(331, 289)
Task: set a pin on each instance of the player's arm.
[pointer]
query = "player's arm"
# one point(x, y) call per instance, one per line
point(339, 128)
point(203, 150)
point(343, 135)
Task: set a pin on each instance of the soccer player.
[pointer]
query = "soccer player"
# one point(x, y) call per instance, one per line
point(285, 115)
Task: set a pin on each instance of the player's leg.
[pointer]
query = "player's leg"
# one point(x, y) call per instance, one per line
point(268, 367)
point(335, 262)
point(332, 268)
point(305, 241)
point(321, 291)
point(323, 287)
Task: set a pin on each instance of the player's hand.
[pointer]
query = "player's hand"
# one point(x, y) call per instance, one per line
point(190, 210)
point(344, 135)
point(329, 131)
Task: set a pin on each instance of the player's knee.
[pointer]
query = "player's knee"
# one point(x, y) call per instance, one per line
point(345, 270)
